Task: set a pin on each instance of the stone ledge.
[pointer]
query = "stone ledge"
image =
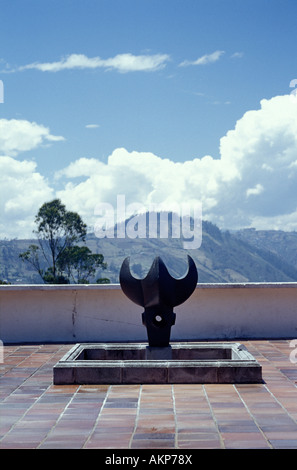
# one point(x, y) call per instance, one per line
point(76, 287)
point(191, 363)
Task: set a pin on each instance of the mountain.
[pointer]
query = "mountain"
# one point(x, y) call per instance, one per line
point(277, 242)
point(242, 256)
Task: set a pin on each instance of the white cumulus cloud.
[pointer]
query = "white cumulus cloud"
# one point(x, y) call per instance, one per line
point(22, 191)
point(252, 184)
point(20, 135)
point(261, 148)
point(253, 181)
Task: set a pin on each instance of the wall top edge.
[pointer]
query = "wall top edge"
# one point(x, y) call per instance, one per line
point(86, 287)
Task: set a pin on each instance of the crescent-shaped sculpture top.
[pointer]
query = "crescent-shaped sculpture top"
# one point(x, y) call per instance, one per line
point(158, 286)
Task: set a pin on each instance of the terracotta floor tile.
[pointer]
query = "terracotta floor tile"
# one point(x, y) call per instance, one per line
point(34, 413)
point(283, 443)
point(201, 444)
point(153, 444)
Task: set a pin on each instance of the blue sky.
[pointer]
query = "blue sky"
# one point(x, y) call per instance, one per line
point(159, 100)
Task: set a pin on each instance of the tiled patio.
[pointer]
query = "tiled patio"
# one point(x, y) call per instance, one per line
point(36, 414)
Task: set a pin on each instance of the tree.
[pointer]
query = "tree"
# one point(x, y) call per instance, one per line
point(79, 263)
point(62, 261)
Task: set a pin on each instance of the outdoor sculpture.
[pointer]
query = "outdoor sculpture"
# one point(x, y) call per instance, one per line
point(158, 363)
point(158, 293)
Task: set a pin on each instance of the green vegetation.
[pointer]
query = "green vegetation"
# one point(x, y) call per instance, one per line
point(57, 258)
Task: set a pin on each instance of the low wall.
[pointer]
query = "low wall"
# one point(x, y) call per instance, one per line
point(102, 313)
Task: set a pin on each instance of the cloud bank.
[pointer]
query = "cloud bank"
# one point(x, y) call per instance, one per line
point(252, 184)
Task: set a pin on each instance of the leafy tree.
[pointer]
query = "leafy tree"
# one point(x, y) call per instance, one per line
point(32, 256)
point(79, 263)
point(57, 258)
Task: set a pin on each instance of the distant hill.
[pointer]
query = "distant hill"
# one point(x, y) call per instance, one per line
point(243, 256)
point(280, 243)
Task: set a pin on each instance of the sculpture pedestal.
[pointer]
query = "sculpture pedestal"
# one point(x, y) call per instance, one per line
point(156, 354)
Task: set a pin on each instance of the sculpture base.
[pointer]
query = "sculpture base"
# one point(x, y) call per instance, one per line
point(137, 363)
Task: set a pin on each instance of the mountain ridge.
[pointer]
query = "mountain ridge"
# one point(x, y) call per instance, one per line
point(223, 257)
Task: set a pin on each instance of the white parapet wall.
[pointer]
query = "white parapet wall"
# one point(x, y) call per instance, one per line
point(102, 313)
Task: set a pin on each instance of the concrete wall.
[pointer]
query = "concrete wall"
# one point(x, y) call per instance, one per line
point(96, 313)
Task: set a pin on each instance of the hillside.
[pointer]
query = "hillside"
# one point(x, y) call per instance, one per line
point(244, 256)
point(277, 242)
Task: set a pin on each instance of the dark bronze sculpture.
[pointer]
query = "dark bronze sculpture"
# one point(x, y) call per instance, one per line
point(158, 293)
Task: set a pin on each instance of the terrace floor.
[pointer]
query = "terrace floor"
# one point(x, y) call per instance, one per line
point(34, 413)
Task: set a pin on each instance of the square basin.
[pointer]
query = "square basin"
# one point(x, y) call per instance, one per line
point(137, 363)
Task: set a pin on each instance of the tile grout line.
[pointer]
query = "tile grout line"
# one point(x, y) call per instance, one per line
point(280, 404)
point(213, 417)
point(276, 367)
point(33, 404)
point(59, 418)
point(273, 365)
point(98, 417)
point(18, 364)
point(284, 377)
point(136, 418)
point(252, 416)
point(175, 418)
point(61, 414)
